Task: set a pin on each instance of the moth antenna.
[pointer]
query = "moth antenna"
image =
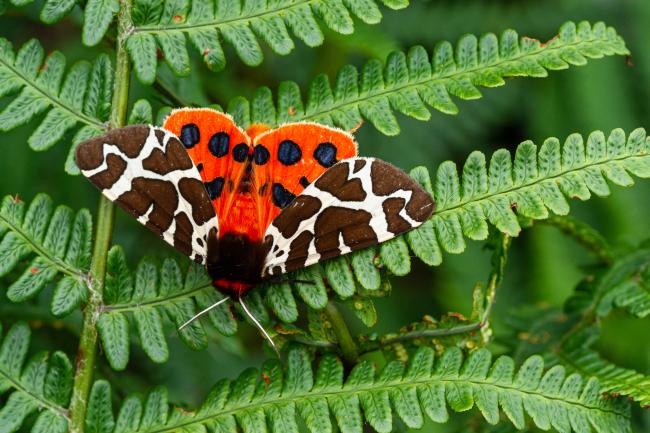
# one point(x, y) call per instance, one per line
point(196, 316)
point(259, 326)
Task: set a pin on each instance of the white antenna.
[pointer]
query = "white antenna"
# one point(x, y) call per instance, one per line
point(259, 326)
point(196, 316)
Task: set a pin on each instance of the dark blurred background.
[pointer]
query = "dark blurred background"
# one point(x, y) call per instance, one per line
point(544, 266)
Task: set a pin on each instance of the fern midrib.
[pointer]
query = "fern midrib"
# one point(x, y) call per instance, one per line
point(385, 387)
point(489, 196)
point(456, 74)
point(42, 252)
point(156, 301)
point(211, 24)
point(41, 401)
point(54, 100)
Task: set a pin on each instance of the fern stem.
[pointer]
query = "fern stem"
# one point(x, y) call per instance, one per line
point(87, 352)
point(349, 348)
point(585, 235)
point(429, 333)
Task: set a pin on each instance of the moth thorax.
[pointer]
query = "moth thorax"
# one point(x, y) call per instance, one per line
point(235, 263)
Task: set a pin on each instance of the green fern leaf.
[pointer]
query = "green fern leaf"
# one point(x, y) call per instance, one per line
point(167, 25)
point(38, 389)
point(631, 294)
point(538, 181)
point(61, 242)
point(152, 294)
point(82, 96)
point(408, 83)
point(276, 397)
point(614, 380)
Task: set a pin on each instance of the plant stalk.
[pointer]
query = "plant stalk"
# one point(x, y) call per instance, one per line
point(349, 348)
point(87, 352)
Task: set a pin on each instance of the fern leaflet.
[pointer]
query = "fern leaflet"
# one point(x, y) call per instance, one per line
point(409, 83)
point(614, 380)
point(276, 397)
point(83, 96)
point(61, 242)
point(164, 25)
point(41, 386)
point(151, 294)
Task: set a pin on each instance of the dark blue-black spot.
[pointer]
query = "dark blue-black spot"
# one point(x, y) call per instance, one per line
point(219, 144)
point(190, 135)
point(240, 152)
point(260, 155)
point(304, 181)
point(199, 167)
point(281, 196)
point(214, 187)
point(289, 152)
point(325, 154)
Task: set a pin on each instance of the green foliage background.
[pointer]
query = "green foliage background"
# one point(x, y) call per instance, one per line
point(544, 266)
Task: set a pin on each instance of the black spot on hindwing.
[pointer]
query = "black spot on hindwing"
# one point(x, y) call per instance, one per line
point(240, 152)
point(190, 135)
point(214, 187)
point(261, 155)
point(281, 196)
point(219, 144)
point(325, 154)
point(304, 182)
point(289, 152)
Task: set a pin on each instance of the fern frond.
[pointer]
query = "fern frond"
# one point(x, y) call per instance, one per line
point(148, 296)
point(538, 181)
point(166, 25)
point(408, 83)
point(61, 242)
point(622, 285)
point(614, 380)
point(276, 397)
point(41, 386)
point(82, 96)
point(633, 294)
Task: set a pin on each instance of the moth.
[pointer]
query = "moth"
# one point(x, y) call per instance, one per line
point(252, 204)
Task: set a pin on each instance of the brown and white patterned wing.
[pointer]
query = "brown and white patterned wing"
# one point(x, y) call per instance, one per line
point(147, 172)
point(357, 203)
